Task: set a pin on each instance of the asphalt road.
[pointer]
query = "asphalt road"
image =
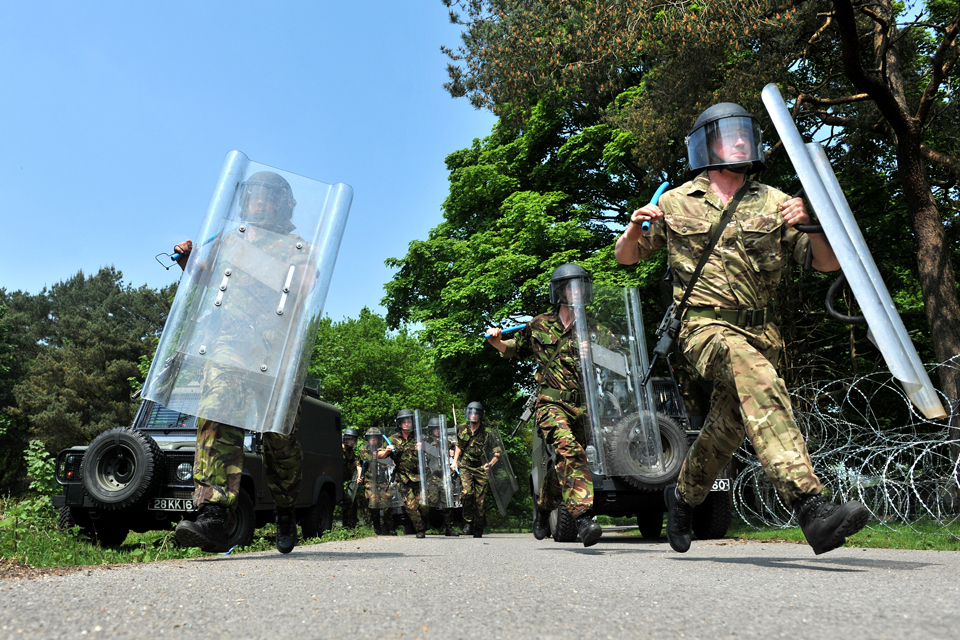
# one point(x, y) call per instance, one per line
point(503, 586)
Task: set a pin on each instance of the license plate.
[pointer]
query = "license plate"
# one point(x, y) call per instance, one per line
point(721, 484)
point(170, 504)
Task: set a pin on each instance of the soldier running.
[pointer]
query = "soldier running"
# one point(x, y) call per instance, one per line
point(728, 333)
point(468, 462)
point(403, 451)
point(548, 338)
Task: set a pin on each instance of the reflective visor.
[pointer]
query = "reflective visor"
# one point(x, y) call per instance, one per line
point(728, 141)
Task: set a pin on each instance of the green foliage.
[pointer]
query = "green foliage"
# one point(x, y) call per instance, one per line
point(29, 535)
point(40, 468)
point(85, 338)
point(519, 206)
point(371, 372)
point(12, 430)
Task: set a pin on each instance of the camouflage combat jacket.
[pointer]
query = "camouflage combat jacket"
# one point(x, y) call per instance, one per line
point(405, 456)
point(472, 445)
point(541, 338)
point(744, 269)
point(350, 463)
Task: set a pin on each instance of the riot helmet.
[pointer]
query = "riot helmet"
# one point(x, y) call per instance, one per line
point(433, 427)
point(405, 420)
point(563, 276)
point(473, 412)
point(350, 434)
point(372, 433)
point(725, 136)
point(266, 198)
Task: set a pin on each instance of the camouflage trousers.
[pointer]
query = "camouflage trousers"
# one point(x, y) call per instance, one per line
point(410, 493)
point(218, 464)
point(570, 480)
point(348, 510)
point(749, 401)
point(472, 495)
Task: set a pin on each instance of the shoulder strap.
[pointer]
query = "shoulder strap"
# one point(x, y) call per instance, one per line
point(543, 371)
point(717, 232)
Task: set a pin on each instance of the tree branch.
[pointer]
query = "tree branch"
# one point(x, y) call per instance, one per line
point(941, 67)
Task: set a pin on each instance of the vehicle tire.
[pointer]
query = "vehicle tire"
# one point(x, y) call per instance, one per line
point(621, 454)
point(563, 526)
point(650, 523)
point(711, 518)
point(244, 522)
point(121, 467)
point(318, 519)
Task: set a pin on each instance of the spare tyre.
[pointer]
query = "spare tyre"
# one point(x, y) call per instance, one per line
point(121, 467)
point(622, 448)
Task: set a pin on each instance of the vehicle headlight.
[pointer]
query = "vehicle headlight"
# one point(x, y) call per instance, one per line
point(184, 471)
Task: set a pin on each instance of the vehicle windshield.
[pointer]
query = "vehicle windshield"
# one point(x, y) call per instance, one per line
point(156, 416)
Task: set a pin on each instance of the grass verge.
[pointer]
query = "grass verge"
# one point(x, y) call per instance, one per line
point(29, 537)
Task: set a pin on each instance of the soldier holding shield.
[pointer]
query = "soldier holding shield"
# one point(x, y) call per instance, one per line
point(403, 450)
point(728, 332)
point(468, 461)
point(549, 339)
point(351, 475)
point(266, 207)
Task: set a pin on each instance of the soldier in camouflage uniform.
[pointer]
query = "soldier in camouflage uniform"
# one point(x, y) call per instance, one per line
point(351, 470)
point(548, 338)
point(435, 488)
point(468, 462)
point(377, 494)
point(727, 333)
point(267, 205)
point(403, 451)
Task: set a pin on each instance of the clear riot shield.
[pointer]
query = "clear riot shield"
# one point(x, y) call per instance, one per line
point(500, 477)
point(623, 435)
point(886, 328)
point(431, 456)
point(455, 487)
point(244, 319)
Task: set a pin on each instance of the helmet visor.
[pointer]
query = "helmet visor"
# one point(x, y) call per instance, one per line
point(571, 292)
point(405, 423)
point(724, 142)
point(263, 202)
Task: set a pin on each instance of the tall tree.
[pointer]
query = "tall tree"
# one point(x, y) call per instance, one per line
point(89, 334)
point(371, 372)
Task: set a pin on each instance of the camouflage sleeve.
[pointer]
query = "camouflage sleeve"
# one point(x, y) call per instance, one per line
point(653, 240)
point(518, 345)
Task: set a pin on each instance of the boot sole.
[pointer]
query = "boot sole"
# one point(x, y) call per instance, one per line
point(851, 525)
point(187, 537)
point(592, 538)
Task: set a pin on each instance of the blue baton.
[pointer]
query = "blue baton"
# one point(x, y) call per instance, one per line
point(507, 330)
point(645, 225)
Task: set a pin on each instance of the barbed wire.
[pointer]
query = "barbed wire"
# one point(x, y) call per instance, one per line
point(869, 444)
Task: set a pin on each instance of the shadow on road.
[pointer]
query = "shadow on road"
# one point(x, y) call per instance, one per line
point(837, 565)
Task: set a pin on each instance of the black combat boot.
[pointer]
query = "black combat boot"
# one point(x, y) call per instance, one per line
point(468, 529)
point(451, 531)
point(421, 534)
point(477, 532)
point(825, 525)
point(679, 519)
point(541, 524)
point(286, 529)
point(389, 527)
point(375, 519)
point(210, 531)
point(588, 530)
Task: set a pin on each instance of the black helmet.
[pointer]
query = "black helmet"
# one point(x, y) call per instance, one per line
point(434, 423)
point(473, 407)
point(564, 274)
point(725, 123)
point(273, 188)
point(401, 419)
point(351, 433)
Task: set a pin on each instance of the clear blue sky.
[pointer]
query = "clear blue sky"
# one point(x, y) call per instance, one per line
point(116, 117)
